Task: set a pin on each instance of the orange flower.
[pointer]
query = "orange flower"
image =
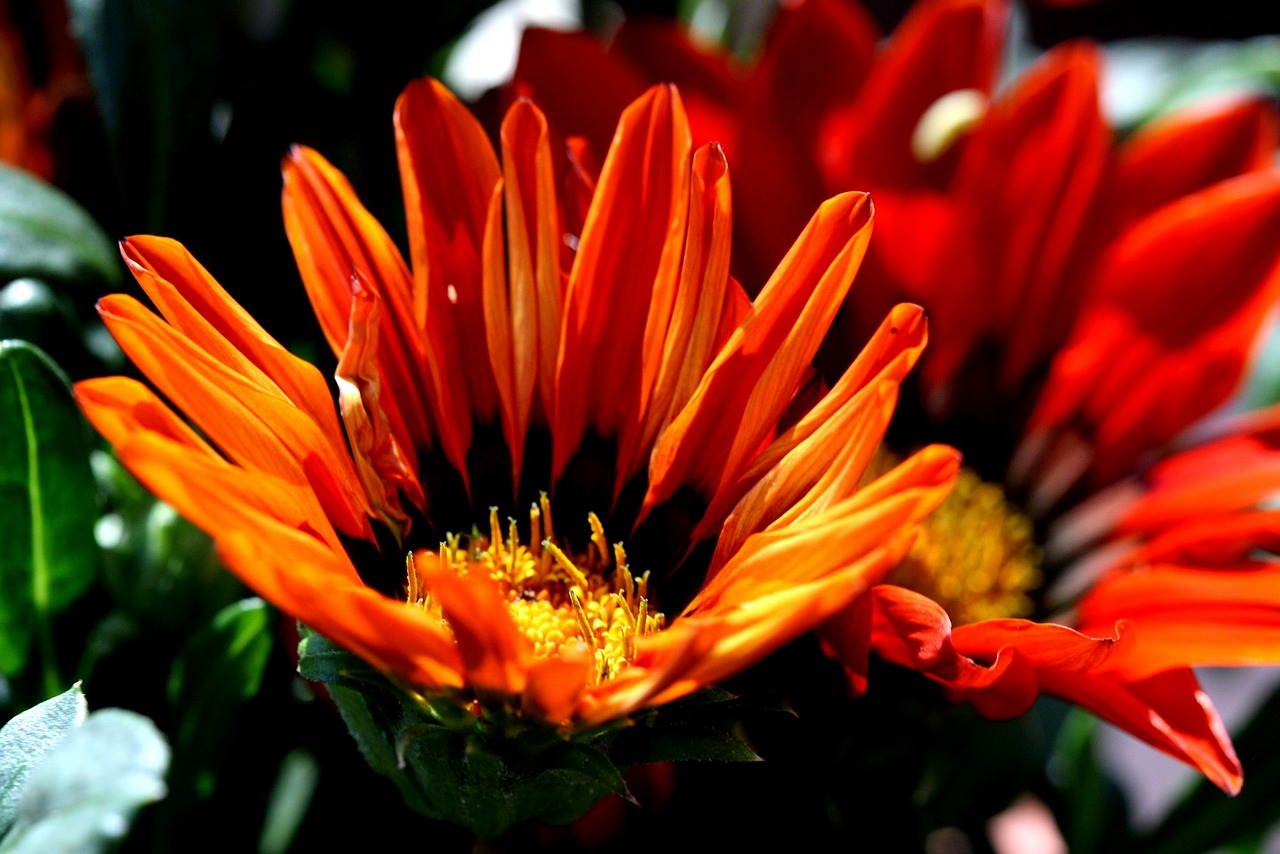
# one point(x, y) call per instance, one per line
point(556, 331)
point(1094, 305)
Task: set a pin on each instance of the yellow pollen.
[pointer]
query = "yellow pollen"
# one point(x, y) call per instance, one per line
point(976, 555)
point(555, 598)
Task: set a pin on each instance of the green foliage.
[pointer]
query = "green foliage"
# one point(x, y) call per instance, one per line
point(493, 769)
point(1163, 76)
point(47, 506)
point(43, 233)
point(72, 783)
point(25, 741)
point(219, 668)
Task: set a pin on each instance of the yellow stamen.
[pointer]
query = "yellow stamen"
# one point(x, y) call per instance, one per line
point(976, 555)
point(597, 538)
point(555, 598)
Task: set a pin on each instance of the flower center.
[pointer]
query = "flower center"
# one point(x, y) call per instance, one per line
point(976, 555)
point(554, 597)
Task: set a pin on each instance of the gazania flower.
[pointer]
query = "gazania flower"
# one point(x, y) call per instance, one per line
point(1094, 304)
point(564, 400)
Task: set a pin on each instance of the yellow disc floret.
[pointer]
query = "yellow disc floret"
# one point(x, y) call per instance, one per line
point(976, 555)
point(555, 598)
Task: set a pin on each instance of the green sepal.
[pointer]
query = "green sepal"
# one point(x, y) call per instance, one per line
point(489, 769)
point(704, 727)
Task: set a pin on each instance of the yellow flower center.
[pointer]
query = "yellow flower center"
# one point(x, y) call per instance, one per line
point(976, 555)
point(555, 598)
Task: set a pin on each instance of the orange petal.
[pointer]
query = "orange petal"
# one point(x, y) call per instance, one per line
point(826, 541)
point(534, 240)
point(448, 171)
point(387, 633)
point(626, 269)
point(119, 407)
point(580, 85)
point(556, 683)
point(753, 378)
point(198, 307)
point(253, 423)
point(334, 239)
point(385, 467)
point(237, 499)
point(662, 661)
point(679, 344)
point(494, 652)
point(820, 459)
point(747, 632)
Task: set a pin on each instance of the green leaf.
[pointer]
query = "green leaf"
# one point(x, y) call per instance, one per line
point(321, 660)
point(217, 671)
point(27, 738)
point(82, 797)
point(44, 234)
point(47, 505)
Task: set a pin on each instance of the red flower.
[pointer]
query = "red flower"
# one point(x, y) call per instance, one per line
point(1095, 304)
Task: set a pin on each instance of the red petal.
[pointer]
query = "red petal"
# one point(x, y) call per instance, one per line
point(628, 260)
point(448, 172)
point(1187, 152)
point(1141, 364)
point(789, 98)
point(939, 48)
point(1024, 188)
